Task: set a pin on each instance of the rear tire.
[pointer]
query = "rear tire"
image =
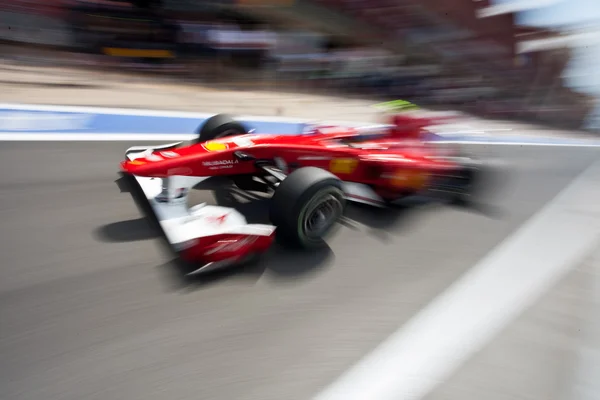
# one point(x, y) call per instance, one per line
point(306, 207)
point(469, 183)
point(219, 126)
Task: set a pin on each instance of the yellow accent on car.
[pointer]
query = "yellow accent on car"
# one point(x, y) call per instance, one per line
point(413, 179)
point(215, 146)
point(343, 165)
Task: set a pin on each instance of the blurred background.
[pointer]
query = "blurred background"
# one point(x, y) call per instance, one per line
point(92, 308)
point(498, 59)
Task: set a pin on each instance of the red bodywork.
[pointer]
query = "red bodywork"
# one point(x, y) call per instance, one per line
point(393, 162)
point(231, 247)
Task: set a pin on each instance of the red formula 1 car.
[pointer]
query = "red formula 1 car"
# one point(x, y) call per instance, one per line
point(310, 176)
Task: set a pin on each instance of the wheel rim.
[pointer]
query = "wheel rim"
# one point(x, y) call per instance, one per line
point(320, 215)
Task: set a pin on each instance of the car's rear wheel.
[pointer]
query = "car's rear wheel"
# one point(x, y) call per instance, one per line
point(466, 183)
point(307, 206)
point(220, 126)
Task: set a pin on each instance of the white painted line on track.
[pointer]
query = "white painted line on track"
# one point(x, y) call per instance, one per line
point(433, 344)
point(524, 143)
point(93, 137)
point(119, 137)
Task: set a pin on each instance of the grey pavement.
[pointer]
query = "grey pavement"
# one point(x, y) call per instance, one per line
point(92, 308)
point(536, 357)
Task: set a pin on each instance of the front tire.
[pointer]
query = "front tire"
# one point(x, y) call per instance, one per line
point(306, 207)
point(219, 126)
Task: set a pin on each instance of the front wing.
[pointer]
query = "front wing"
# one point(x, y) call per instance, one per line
point(212, 236)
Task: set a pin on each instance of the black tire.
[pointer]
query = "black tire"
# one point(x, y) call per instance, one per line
point(305, 196)
point(468, 183)
point(218, 126)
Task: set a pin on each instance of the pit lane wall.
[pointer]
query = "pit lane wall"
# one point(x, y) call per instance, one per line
point(51, 123)
point(70, 123)
point(85, 122)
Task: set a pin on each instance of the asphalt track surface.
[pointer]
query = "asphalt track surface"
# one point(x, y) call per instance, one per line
point(91, 307)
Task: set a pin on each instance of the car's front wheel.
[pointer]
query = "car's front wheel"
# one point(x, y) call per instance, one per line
point(307, 206)
point(219, 126)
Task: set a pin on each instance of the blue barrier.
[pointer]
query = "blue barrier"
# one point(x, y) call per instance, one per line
point(54, 121)
point(32, 122)
point(36, 121)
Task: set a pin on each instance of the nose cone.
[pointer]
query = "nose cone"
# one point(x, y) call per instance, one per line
point(143, 167)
